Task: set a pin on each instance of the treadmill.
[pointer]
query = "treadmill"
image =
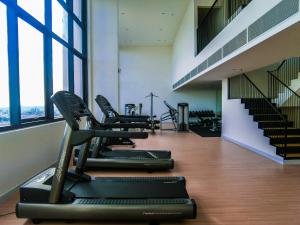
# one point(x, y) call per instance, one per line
point(100, 156)
point(62, 194)
point(112, 116)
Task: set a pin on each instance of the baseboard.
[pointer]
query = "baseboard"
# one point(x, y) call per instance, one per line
point(13, 190)
point(275, 158)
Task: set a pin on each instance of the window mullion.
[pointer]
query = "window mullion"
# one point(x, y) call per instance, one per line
point(70, 52)
point(13, 65)
point(48, 62)
point(84, 51)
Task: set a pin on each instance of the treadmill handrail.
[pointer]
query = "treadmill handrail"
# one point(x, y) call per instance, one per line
point(124, 125)
point(83, 135)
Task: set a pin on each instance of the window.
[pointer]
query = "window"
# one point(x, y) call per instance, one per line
point(77, 8)
point(31, 66)
point(4, 91)
point(60, 70)
point(77, 37)
point(36, 8)
point(78, 82)
point(59, 20)
point(38, 58)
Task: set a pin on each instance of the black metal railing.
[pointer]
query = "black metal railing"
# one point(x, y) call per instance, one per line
point(211, 25)
point(261, 105)
point(285, 98)
point(216, 19)
point(235, 7)
point(288, 70)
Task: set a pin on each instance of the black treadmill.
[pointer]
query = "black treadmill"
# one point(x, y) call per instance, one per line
point(100, 156)
point(59, 194)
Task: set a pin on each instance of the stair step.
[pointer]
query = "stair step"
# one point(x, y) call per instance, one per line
point(280, 139)
point(280, 131)
point(266, 117)
point(261, 105)
point(254, 111)
point(244, 100)
point(265, 124)
point(291, 155)
point(291, 148)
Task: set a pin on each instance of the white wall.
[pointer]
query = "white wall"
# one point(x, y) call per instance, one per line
point(184, 59)
point(148, 69)
point(238, 126)
point(103, 49)
point(26, 152)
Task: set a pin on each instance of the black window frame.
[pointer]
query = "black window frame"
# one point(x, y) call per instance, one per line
point(14, 11)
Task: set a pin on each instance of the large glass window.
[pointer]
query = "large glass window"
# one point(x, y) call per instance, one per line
point(77, 37)
point(36, 8)
point(4, 91)
point(60, 70)
point(77, 8)
point(78, 82)
point(59, 20)
point(31, 66)
point(38, 59)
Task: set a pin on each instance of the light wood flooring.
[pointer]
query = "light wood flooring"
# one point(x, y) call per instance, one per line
point(232, 186)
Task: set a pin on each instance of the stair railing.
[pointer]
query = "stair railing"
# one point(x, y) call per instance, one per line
point(285, 98)
point(287, 70)
point(248, 90)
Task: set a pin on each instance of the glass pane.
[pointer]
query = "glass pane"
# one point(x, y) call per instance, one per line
point(31, 65)
point(78, 82)
point(60, 70)
point(77, 8)
point(4, 91)
point(59, 20)
point(36, 8)
point(77, 37)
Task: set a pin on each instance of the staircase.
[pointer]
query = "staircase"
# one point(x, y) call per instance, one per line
point(282, 129)
point(275, 126)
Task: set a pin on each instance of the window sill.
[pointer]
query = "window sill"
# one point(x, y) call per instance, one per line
point(29, 125)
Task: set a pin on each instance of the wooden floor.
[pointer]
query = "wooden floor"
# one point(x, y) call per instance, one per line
point(231, 186)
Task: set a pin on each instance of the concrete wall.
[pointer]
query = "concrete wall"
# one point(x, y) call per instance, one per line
point(148, 69)
point(26, 152)
point(104, 51)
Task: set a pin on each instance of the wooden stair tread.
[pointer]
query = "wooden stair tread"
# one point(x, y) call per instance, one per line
point(293, 155)
point(288, 145)
point(280, 128)
point(282, 136)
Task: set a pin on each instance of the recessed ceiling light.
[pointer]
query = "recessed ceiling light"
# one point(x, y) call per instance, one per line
point(167, 14)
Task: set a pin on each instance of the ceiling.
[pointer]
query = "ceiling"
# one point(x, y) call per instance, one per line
point(150, 22)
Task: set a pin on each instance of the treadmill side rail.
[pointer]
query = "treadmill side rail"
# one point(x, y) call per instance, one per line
point(118, 209)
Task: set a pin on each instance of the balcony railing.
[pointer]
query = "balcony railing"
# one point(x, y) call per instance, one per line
point(221, 13)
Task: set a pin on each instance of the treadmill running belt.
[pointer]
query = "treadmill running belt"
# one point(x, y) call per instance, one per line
point(136, 154)
point(100, 188)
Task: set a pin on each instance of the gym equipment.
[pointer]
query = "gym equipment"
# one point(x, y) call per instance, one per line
point(59, 194)
point(171, 114)
point(152, 116)
point(204, 117)
point(130, 109)
point(100, 156)
point(183, 117)
point(112, 116)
